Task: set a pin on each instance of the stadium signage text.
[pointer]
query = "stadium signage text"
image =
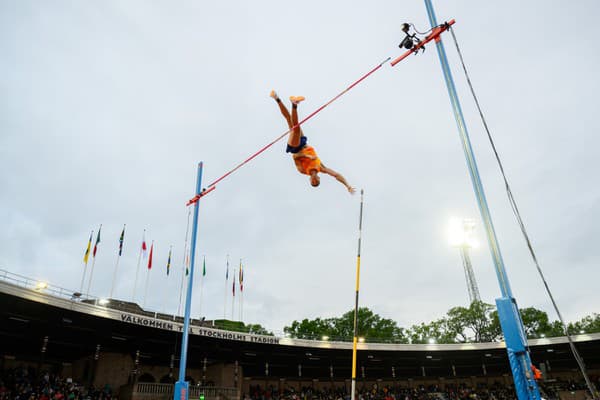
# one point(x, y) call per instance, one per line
point(194, 330)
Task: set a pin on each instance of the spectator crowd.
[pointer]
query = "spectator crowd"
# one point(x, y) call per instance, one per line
point(24, 384)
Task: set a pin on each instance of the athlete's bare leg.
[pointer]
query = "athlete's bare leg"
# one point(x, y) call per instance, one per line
point(295, 133)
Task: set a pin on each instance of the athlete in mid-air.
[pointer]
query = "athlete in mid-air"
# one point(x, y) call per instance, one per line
point(306, 159)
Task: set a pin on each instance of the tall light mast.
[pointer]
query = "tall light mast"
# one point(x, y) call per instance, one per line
point(462, 237)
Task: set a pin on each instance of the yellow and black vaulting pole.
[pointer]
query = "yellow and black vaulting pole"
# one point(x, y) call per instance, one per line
point(354, 342)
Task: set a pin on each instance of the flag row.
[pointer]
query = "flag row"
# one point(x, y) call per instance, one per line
point(149, 257)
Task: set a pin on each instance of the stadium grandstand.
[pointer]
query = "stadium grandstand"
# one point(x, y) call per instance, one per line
point(58, 344)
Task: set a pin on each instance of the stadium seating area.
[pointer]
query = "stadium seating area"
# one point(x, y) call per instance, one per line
point(24, 384)
point(496, 391)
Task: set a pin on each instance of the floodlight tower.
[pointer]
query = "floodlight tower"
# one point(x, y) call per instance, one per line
point(461, 237)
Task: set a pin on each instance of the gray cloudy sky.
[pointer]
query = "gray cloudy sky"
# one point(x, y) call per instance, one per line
point(106, 108)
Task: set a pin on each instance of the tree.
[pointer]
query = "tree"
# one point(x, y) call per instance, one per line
point(434, 331)
point(535, 322)
point(588, 324)
point(239, 326)
point(371, 326)
point(473, 324)
point(310, 329)
point(477, 323)
point(258, 330)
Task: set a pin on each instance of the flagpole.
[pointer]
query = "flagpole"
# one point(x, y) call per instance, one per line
point(241, 291)
point(87, 294)
point(112, 287)
point(137, 271)
point(148, 274)
point(93, 262)
point(183, 274)
point(181, 391)
point(164, 296)
point(226, 287)
point(355, 340)
point(184, 264)
point(241, 280)
point(202, 287)
point(87, 253)
point(146, 289)
point(233, 297)
point(83, 276)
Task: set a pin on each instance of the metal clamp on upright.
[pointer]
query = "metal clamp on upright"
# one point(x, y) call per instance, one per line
point(197, 197)
point(413, 44)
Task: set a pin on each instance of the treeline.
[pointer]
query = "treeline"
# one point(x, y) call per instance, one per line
point(476, 323)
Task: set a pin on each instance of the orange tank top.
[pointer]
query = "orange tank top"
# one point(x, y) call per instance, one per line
point(306, 160)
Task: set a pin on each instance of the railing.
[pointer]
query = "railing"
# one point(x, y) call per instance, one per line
point(40, 286)
point(43, 287)
point(214, 392)
point(164, 391)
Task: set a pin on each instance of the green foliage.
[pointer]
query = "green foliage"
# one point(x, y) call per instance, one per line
point(473, 324)
point(258, 330)
point(535, 322)
point(588, 324)
point(238, 326)
point(434, 332)
point(310, 329)
point(371, 326)
point(477, 323)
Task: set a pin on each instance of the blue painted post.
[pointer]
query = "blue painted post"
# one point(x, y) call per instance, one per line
point(508, 312)
point(181, 386)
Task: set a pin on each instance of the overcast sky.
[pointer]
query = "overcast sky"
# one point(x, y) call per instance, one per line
point(107, 107)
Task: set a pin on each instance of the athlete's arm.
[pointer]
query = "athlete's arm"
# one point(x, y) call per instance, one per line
point(339, 177)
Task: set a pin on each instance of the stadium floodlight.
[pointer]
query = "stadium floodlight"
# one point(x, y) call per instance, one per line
point(41, 286)
point(432, 341)
point(324, 337)
point(103, 302)
point(582, 331)
point(460, 233)
point(543, 335)
point(361, 339)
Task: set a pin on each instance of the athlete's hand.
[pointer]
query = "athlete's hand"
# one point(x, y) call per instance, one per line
point(351, 190)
